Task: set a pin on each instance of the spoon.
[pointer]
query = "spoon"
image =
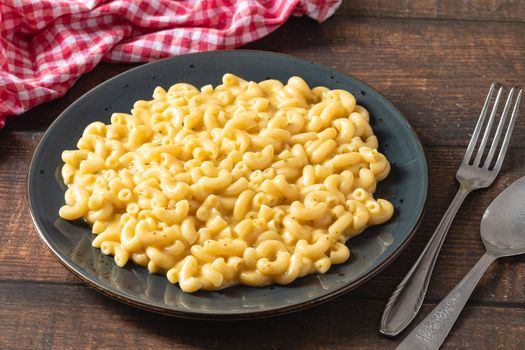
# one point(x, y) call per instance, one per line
point(503, 233)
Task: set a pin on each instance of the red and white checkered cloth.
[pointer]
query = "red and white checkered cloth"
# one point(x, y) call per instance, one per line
point(45, 45)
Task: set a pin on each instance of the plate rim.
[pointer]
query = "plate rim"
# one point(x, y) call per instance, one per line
point(236, 315)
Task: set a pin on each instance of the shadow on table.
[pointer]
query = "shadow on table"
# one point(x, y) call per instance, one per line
point(326, 326)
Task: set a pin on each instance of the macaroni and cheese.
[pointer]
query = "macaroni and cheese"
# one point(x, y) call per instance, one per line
point(252, 183)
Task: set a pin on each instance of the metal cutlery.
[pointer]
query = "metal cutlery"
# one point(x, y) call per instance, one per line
point(503, 233)
point(475, 172)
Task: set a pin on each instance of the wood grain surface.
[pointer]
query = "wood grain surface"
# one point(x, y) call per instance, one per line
point(434, 60)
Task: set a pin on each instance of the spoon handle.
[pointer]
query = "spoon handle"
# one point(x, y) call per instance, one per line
point(407, 298)
point(432, 331)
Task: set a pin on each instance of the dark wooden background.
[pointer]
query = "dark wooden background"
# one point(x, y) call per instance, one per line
point(434, 60)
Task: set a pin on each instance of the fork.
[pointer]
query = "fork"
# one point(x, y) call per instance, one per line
point(473, 174)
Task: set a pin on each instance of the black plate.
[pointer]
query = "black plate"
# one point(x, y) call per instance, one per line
point(406, 187)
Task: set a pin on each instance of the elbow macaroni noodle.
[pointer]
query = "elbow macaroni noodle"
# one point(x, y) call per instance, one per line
point(252, 183)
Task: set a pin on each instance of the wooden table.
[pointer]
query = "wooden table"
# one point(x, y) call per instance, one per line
point(434, 60)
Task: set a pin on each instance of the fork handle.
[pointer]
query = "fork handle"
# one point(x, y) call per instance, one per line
point(407, 298)
point(432, 331)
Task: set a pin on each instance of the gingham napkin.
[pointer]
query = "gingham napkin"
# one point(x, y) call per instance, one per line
point(45, 45)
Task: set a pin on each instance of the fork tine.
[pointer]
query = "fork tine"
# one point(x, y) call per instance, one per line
point(501, 123)
point(486, 134)
point(506, 140)
point(479, 125)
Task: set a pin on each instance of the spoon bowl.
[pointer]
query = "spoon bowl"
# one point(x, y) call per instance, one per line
point(503, 223)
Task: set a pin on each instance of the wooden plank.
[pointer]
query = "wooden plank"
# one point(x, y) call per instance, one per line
point(24, 257)
point(491, 10)
point(75, 317)
point(436, 72)
point(22, 253)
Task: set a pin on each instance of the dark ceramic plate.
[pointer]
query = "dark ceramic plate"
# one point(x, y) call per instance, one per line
point(406, 187)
